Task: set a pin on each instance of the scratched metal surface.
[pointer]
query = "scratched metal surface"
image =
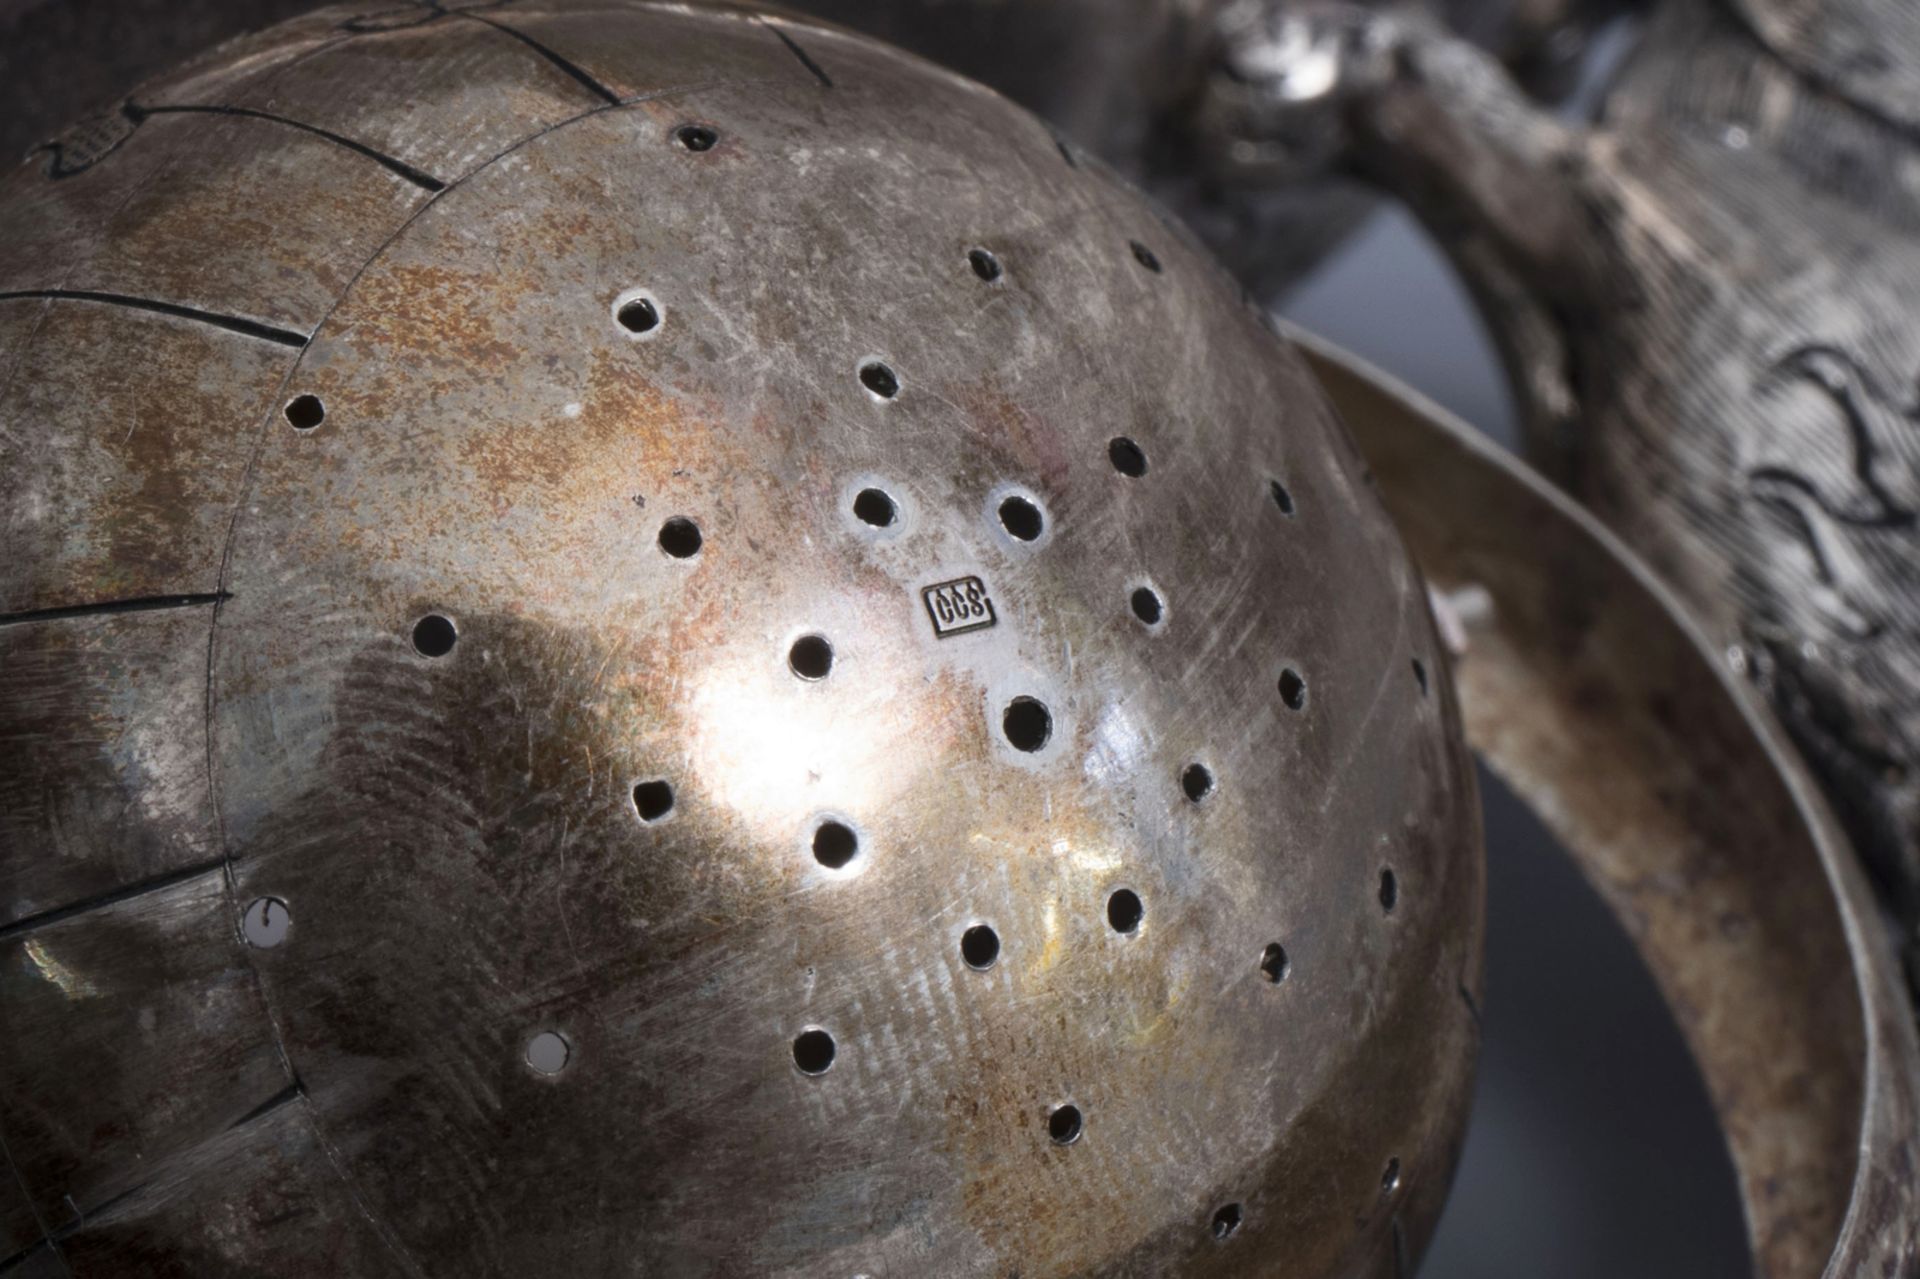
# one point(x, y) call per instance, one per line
point(462, 841)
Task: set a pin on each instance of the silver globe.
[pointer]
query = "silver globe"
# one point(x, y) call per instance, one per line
point(653, 639)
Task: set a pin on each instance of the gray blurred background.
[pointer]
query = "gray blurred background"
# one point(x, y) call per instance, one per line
point(1593, 1150)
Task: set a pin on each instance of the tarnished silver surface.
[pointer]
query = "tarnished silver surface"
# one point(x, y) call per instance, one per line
point(1586, 687)
point(536, 539)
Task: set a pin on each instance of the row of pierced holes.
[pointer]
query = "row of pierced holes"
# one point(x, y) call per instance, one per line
point(835, 845)
point(267, 921)
point(642, 315)
point(814, 1051)
point(1026, 721)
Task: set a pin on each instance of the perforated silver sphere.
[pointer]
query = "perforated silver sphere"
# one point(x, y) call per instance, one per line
point(651, 639)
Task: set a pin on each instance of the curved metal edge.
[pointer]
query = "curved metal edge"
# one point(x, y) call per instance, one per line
point(1480, 521)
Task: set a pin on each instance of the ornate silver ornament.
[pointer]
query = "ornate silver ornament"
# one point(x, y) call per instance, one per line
point(1707, 302)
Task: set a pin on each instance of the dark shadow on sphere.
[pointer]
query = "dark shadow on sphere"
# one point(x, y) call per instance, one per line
point(1593, 1151)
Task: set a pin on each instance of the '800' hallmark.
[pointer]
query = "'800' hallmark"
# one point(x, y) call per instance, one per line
point(958, 606)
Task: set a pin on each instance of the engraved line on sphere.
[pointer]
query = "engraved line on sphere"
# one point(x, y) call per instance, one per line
point(112, 897)
point(107, 608)
point(67, 1230)
point(794, 46)
point(572, 69)
point(43, 1244)
point(59, 167)
point(293, 1092)
point(425, 181)
point(405, 17)
point(231, 323)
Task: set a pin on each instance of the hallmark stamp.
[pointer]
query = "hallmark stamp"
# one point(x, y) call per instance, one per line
point(958, 606)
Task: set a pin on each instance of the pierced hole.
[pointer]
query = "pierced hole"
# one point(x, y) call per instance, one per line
point(1390, 1179)
point(1420, 675)
point(548, 1052)
point(1226, 1222)
point(1293, 689)
point(984, 264)
point(639, 316)
point(680, 538)
point(434, 635)
point(1197, 782)
point(1124, 911)
point(1021, 518)
point(1064, 1124)
point(305, 412)
point(1027, 723)
point(811, 657)
point(1281, 498)
point(1389, 890)
point(1127, 457)
point(653, 800)
point(980, 947)
point(873, 506)
point(813, 1051)
point(879, 379)
point(834, 844)
point(1274, 963)
point(265, 922)
point(1145, 256)
point(1146, 605)
point(695, 137)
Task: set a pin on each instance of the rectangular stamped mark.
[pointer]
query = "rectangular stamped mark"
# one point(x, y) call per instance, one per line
point(958, 606)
